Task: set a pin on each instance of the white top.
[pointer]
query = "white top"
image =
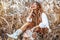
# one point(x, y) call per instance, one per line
point(44, 23)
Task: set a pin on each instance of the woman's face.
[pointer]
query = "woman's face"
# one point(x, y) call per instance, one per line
point(34, 6)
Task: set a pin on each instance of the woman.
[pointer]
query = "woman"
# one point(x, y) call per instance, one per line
point(36, 19)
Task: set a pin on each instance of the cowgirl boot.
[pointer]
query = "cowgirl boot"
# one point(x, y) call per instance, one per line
point(15, 34)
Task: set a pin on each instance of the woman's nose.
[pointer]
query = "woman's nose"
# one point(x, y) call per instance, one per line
point(32, 6)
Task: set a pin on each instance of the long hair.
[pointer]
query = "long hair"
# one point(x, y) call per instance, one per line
point(39, 7)
point(37, 13)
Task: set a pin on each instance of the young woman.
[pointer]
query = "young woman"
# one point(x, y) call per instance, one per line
point(36, 19)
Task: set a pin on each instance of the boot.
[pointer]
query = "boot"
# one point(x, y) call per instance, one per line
point(15, 34)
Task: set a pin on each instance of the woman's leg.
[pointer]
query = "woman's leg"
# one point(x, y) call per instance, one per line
point(20, 30)
point(38, 29)
point(25, 26)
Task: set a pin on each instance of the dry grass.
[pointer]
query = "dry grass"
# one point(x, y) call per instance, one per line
point(13, 18)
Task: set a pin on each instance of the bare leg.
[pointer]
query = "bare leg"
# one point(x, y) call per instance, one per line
point(19, 31)
point(25, 26)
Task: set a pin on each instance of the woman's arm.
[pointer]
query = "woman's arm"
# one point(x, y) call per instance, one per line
point(29, 18)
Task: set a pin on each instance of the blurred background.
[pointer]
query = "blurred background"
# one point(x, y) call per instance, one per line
point(13, 15)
